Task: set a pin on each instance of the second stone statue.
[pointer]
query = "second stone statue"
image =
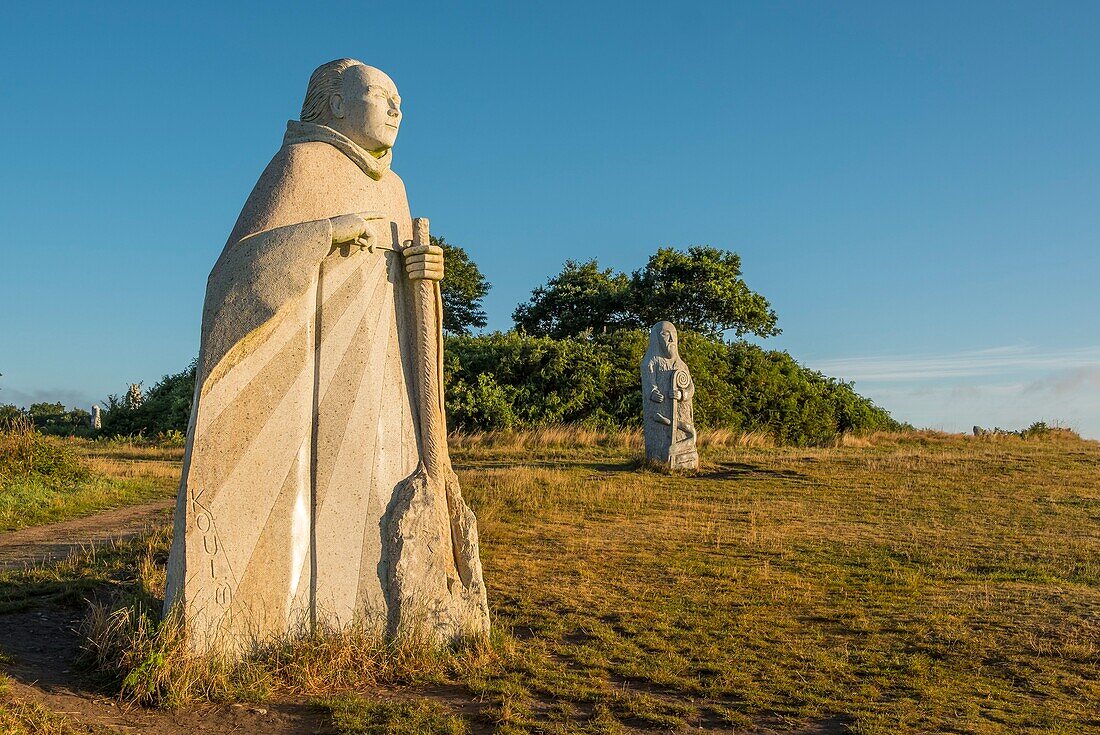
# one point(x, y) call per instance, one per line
point(667, 408)
point(316, 488)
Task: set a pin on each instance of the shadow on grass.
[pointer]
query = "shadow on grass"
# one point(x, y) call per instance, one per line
point(625, 465)
point(41, 646)
point(839, 724)
point(741, 470)
point(19, 595)
point(43, 642)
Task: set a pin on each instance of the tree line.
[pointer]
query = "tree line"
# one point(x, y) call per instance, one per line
point(573, 356)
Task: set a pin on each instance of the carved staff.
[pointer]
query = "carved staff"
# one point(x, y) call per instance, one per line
point(434, 569)
point(428, 313)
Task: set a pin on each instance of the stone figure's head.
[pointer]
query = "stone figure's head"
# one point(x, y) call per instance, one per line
point(663, 340)
point(357, 100)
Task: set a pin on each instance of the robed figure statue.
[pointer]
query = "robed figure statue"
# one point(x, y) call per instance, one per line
point(316, 487)
point(667, 406)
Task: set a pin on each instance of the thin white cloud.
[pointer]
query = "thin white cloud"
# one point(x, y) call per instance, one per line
point(998, 361)
point(1010, 405)
point(1010, 386)
point(1068, 382)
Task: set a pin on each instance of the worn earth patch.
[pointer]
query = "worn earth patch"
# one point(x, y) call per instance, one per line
point(34, 545)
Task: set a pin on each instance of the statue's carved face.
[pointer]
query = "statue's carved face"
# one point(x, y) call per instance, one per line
point(668, 342)
point(662, 339)
point(369, 110)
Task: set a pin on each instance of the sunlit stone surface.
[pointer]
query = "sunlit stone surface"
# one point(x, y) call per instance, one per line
point(313, 490)
point(667, 392)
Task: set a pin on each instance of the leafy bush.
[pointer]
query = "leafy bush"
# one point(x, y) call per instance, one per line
point(26, 454)
point(527, 381)
point(53, 418)
point(513, 381)
point(164, 408)
point(509, 380)
point(796, 405)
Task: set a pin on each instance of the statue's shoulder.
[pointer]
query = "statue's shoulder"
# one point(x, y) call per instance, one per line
point(311, 152)
point(296, 161)
point(393, 179)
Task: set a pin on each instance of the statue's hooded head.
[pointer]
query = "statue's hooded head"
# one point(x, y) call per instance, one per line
point(663, 340)
point(357, 100)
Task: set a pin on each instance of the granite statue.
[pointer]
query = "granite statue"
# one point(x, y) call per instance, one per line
point(667, 392)
point(317, 490)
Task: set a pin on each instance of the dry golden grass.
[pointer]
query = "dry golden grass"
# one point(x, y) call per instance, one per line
point(152, 469)
point(578, 437)
point(129, 450)
point(902, 582)
point(551, 437)
point(899, 583)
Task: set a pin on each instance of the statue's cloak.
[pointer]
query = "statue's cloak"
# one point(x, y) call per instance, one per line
point(668, 425)
point(303, 424)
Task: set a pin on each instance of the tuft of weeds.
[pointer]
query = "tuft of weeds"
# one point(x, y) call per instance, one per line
point(327, 660)
point(147, 661)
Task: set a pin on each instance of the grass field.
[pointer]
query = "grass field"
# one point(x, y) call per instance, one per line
point(46, 480)
point(910, 583)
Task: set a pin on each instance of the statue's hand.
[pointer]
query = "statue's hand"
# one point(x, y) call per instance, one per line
point(656, 396)
point(351, 227)
point(424, 262)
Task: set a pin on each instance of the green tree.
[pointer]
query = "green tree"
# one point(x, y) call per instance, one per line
point(47, 416)
point(701, 290)
point(53, 418)
point(513, 380)
point(8, 415)
point(463, 287)
point(165, 407)
point(581, 299)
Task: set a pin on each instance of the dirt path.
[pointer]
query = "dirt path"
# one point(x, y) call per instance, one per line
point(44, 645)
point(56, 540)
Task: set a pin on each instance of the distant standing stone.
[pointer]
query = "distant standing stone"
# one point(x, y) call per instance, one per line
point(667, 392)
point(97, 418)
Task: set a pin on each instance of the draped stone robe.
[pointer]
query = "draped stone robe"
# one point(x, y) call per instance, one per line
point(302, 424)
point(668, 426)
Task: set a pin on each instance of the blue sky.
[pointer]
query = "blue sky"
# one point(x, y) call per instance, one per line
point(915, 187)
